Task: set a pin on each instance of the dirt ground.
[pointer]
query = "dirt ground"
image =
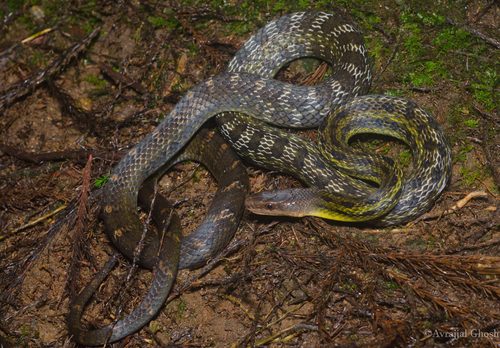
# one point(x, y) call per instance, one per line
point(75, 98)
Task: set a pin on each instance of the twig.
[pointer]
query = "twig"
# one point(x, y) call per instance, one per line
point(33, 223)
point(396, 46)
point(454, 208)
point(34, 36)
point(316, 76)
point(474, 32)
point(491, 192)
point(415, 88)
point(487, 115)
point(123, 79)
point(60, 155)
point(483, 88)
point(77, 239)
point(296, 327)
point(69, 214)
point(27, 85)
point(487, 152)
point(232, 299)
point(485, 9)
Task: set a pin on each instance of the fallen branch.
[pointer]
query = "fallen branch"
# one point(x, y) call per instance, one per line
point(60, 155)
point(34, 222)
point(487, 152)
point(474, 236)
point(487, 115)
point(483, 11)
point(474, 32)
point(393, 54)
point(415, 88)
point(27, 85)
point(460, 204)
point(121, 78)
point(78, 237)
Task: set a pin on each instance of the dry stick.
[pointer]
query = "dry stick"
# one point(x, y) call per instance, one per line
point(123, 79)
point(487, 115)
point(481, 13)
point(33, 37)
point(316, 76)
point(483, 88)
point(487, 152)
point(77, 238)
point(192, 282)
point(238, 302)
point(415, 88)
point(454, 208)
point(396, 46)
point(10, 49)
point(495, 101)
point(60, 155)
point(203, 11)
point(25, 86)
point(34, 222)
point(474, 32)
point(69, 215)
point(296, 327)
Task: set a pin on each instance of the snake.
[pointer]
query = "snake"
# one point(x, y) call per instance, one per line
point(252, 109)
point(212, 235)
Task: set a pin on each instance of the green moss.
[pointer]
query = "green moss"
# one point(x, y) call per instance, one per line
point(471, 123)
point(392, 285)
point(417, 243)
point(452, 38)
point(463, 153)
point(14, 5)
point(469, 176)
point(484, 90)
point(101, 181)
point(162, 22)
point(95, 81)
point(405, 158)
point(413, 44)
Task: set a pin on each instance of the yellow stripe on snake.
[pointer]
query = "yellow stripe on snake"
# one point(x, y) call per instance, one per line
point(336, 174)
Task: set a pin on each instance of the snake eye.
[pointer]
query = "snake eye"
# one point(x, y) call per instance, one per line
point(269, 206)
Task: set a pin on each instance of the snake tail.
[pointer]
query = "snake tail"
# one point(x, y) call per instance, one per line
point(160, 287)
point(213, 234)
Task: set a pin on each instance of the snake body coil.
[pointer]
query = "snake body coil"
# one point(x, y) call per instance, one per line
point(248, 88)
point(204, 243)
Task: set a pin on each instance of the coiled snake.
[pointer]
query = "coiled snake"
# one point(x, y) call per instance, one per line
point(247, 87)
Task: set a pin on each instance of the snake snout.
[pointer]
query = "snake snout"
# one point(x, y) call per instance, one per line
point(275, 202)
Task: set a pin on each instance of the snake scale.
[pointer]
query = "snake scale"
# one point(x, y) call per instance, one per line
point(247, 100)
point(222, 217)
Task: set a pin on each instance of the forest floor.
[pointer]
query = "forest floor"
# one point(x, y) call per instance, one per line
point(82, 82)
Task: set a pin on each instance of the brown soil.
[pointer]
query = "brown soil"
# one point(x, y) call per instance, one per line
point(295, 282)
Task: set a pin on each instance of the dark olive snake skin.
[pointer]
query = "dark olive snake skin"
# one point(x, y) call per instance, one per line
point(204, 243)
point(248, 88)
point(164, 277)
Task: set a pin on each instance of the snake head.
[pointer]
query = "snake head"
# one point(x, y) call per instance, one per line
point(288, 202)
